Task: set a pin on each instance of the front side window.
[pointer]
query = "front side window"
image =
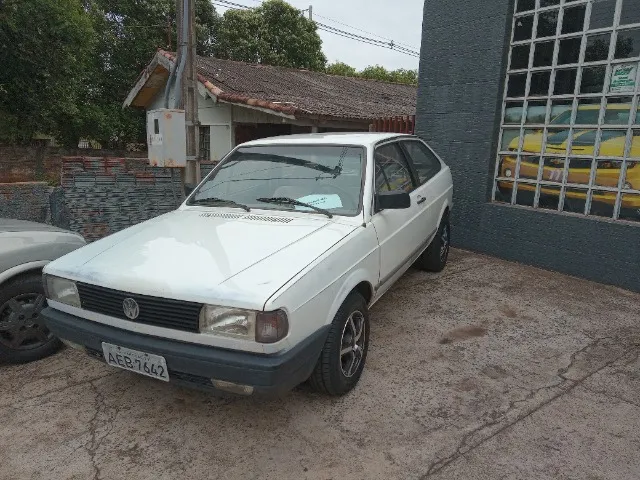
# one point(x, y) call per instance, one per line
point(327, 177)
point(425, 162)
point(392, 171)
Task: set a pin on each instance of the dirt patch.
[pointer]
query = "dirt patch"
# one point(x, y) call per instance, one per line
point(463, 333)
point(509, 312)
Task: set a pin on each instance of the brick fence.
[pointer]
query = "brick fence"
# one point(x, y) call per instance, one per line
point(40, 163)
point(26, 201)
point(97, 196)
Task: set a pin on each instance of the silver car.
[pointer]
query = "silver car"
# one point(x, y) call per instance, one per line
point(26, 247)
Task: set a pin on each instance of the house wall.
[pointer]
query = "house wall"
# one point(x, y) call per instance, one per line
point(462, 69)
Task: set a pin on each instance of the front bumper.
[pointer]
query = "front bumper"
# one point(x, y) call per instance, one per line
point(195, 365)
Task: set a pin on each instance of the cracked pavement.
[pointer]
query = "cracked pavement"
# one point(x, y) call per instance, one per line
point(489, 370)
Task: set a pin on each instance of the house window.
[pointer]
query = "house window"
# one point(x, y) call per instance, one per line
point(570, 129)
point(205, 142)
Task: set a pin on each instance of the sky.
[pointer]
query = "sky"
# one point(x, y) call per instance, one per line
point(399, 20)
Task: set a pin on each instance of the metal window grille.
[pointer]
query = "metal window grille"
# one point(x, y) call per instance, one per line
point(205, 142)
point(570, 126)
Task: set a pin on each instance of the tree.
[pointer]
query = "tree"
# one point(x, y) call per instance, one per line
point(127, 34)
point(44, 47)
point(342, 69)
point(375, 72)
point(275, 33)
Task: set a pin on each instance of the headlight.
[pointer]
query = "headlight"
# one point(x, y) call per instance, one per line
point(263, 327)
point(62, 290)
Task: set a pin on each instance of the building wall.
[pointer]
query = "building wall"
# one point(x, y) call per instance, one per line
point(463, 61)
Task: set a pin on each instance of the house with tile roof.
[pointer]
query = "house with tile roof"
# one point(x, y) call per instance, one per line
point(239, 101)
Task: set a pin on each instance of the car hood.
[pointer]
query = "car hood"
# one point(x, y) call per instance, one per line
point(194, 255)
point(12, 225)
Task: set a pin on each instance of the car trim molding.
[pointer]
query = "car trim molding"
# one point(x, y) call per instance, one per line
point(18, 269)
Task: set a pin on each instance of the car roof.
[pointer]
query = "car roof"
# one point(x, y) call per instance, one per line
point(340, 138)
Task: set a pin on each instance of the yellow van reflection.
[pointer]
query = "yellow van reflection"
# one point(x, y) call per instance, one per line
point(583, 141)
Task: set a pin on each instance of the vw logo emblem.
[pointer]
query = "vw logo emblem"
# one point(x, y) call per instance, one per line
point(130, 308)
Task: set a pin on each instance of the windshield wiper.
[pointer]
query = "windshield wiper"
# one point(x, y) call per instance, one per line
point(214, 200)
point(291, 201)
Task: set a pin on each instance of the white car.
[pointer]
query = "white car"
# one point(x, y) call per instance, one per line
point(264, 277)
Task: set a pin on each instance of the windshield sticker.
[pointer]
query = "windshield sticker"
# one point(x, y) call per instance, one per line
point(321, 201)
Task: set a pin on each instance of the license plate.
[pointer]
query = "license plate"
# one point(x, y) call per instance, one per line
point(148, 364)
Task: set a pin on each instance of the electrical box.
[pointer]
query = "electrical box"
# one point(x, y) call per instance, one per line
point(166, 138)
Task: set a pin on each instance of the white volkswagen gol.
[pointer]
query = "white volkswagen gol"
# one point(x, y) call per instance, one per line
point(264, 277)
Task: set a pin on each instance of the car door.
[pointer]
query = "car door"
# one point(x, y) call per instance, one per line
point(426, 167)
point(399, 234)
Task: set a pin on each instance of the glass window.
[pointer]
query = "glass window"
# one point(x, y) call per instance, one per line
point(597, 47)
point(573, 20)
point(630, 12)
point(602, 14)
point(572, 149)
point(425, 162)
point(513, 112)
point(617, 112)
point(524, 28)
point(592, 79)
point(628, 43)
point(547, 23)
point(569, 51)
point(329, 176)
point(543, 55)
point(517, 85)
point(540, 83)
point(608, 173)
point(392, 171)
point(524, 5)
point(536, 111)
point(565, 83)
point(520, 57)
point(510, 139)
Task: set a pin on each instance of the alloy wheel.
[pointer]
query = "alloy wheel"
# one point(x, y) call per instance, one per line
point(444, 243)
point(352, 344)
point(21, 325)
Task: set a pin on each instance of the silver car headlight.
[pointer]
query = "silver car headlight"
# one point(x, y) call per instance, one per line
point(263, 327)
point(61, 290)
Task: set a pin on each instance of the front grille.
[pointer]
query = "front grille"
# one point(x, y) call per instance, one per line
point(157, 311)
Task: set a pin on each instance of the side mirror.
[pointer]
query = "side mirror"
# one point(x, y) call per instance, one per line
point(188, 189)
point(395, 200)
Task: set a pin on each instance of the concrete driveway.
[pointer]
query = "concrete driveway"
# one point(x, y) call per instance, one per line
point(488, 370)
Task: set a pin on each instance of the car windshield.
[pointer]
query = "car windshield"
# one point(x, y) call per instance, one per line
point(327, 177)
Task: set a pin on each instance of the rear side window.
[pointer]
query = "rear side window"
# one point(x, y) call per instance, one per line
point(425, 162)
point(392, 171)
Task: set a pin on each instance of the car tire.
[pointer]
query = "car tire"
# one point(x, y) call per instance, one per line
point(435, 257)
point(339, 370)
point(23, 335)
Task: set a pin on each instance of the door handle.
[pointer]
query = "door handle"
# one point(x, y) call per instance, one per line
point(421, 200)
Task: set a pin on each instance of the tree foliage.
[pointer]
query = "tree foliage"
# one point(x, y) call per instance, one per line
point(375, 72)
point(275, 33)
point(44, 47)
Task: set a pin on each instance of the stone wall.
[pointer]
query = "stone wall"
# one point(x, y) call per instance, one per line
point(26, 201)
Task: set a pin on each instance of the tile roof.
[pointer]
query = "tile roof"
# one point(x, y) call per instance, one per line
point(303, 92)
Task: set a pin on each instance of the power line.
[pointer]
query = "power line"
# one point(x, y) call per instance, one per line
point(361, 30)
point(389, 44)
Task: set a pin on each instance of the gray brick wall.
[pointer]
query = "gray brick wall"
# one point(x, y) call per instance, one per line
point(463, 56)
point(25, 201)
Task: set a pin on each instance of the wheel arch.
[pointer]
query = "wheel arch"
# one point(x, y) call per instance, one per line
point(355, 282)
point(22, 269)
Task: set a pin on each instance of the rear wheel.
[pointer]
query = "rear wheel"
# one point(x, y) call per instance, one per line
point(345, 351)
point(435, 257)
point(23, 334)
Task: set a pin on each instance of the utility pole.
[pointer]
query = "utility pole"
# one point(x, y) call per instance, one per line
point(189, 87)
point(311, 12)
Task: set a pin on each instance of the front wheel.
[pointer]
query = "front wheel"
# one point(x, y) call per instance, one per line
point(23, 335)
point(345, 351)
point(435, 257)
